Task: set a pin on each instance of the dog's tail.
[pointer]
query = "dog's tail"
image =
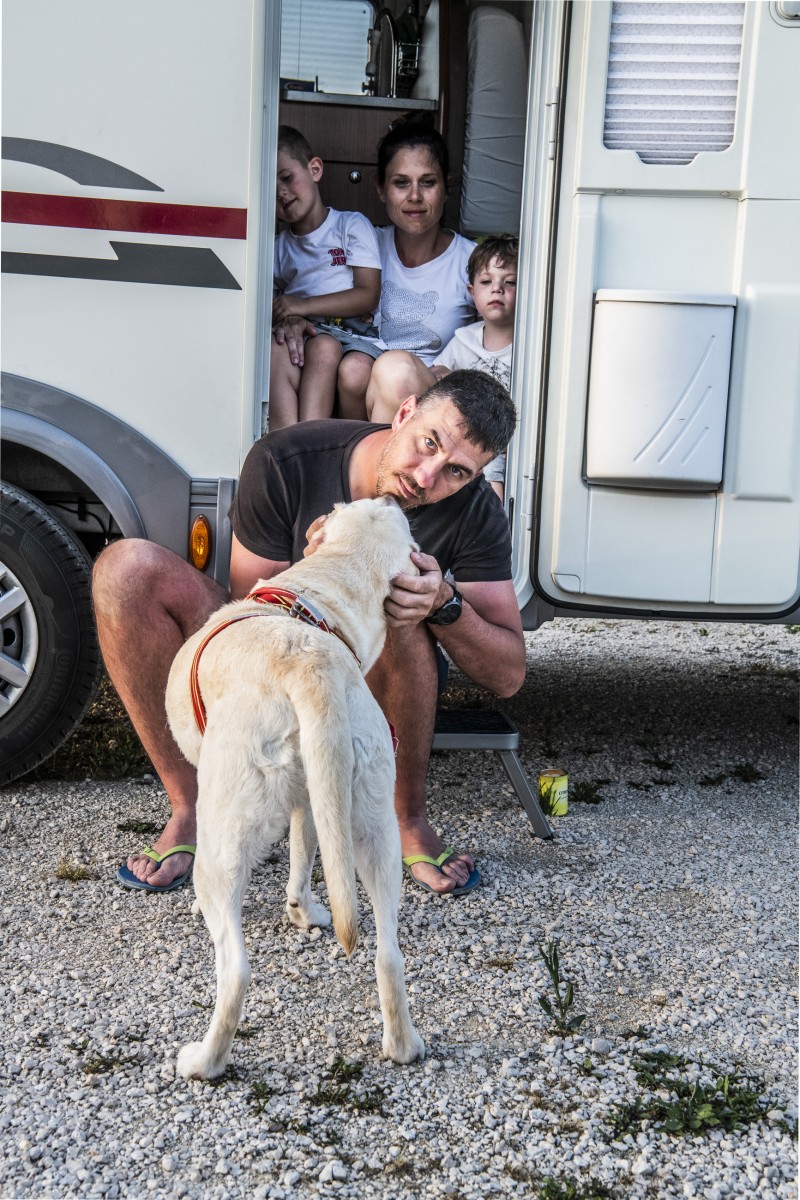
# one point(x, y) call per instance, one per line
point(326, 748)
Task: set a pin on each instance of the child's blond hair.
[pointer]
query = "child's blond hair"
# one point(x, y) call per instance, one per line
point(502, 246)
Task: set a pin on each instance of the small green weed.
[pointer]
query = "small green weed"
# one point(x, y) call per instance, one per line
point(341, 1069)
point(747, 773)
point(102, 1064)
point(793, 628)
point(728, 1102)
point(713, 780)
point(202, 1004)
point(337, 1089)
point(570, 1189)
point(702, 632)
point(74, 872)
point(559, 1013)
point(245, 1032)
point(501, 962)
point(587, 791)
point(655, 759)
point(260, 1096)
point(139, 827)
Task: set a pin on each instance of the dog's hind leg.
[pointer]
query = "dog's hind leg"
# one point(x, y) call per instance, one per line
point(377, 855)
point(220, 897)
point(301, 908)
point(225, 845)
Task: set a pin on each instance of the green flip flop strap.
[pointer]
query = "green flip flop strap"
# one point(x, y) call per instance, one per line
point(156, 857)
point(413, 859)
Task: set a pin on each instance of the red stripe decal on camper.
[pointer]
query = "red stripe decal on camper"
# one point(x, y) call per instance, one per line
point(129, 216)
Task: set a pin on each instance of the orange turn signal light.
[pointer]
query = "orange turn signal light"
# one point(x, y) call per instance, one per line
point(200, 542)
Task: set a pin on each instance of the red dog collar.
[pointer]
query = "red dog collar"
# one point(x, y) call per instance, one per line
point(292, 605)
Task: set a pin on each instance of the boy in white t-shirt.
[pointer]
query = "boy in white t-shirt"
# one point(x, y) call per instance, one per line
point(327, 270)
point(486, 345)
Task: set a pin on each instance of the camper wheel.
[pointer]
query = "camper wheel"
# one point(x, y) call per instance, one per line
point(49, 661)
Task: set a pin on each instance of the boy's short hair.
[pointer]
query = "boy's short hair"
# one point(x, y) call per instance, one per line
point(502, 246)
point(292, 142)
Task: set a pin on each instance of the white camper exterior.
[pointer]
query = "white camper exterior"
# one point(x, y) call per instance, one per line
point(656, 470)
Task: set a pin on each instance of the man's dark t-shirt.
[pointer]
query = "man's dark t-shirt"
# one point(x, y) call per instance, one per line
point(297, 474)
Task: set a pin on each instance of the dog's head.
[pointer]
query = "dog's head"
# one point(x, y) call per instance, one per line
point(376, 530)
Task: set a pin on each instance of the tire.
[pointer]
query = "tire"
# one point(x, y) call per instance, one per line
point(50, 660)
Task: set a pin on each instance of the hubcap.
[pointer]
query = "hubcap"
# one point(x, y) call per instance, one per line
point(20, 644)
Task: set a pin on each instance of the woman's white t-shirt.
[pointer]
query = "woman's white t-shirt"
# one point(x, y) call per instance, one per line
point(421, 307)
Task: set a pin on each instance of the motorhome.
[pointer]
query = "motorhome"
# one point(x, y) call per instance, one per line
point(647, 156)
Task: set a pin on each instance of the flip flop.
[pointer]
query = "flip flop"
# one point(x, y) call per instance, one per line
point(127, 878)
point(449, 852)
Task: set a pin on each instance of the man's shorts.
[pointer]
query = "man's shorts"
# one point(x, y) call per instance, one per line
point(349, 340)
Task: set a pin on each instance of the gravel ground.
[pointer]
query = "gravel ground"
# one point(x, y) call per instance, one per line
point(673, 900)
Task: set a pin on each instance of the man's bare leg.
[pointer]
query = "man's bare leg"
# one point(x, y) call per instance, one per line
point(404, 681)
point(147, 603)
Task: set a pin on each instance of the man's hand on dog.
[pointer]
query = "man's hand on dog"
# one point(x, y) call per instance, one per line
point(315, 535)
point(414, 597)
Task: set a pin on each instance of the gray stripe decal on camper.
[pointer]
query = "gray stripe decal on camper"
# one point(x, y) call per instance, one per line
point(75, 164)
point(136, 262)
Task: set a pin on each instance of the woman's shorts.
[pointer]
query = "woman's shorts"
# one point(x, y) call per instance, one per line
point(349, 340)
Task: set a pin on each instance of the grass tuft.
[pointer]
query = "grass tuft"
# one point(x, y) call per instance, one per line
point(681, 1106)
point(587, 791)
point(74, 872)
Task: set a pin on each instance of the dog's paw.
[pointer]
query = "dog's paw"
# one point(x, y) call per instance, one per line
point(306, 918)
point(196, 909)
point(406, 1048)
point(194, 1062)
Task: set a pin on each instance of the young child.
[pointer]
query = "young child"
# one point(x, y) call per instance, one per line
point(486, 345)
point(327, 270)
point(483, 346)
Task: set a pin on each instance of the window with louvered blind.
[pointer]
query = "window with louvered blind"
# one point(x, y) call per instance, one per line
point(325, 42)
point(673, 78)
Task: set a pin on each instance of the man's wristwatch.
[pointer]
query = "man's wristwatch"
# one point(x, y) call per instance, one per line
point(448, 612)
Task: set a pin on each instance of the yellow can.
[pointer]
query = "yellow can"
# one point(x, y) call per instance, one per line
point(554, 792)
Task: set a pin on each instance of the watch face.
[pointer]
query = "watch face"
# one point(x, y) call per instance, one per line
point(449, 612)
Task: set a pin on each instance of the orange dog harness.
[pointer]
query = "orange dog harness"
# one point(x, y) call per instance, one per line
point(293, 606)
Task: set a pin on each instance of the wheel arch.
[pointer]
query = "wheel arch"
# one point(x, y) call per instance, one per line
point(145, 491)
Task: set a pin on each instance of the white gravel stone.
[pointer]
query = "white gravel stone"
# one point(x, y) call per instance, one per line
point(673, 900)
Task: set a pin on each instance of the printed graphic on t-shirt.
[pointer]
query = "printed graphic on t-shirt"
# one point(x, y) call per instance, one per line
point(338, 257)
point(401, 313)
point(495, 367)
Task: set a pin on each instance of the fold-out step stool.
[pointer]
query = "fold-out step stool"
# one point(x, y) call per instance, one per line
point(475, 729)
